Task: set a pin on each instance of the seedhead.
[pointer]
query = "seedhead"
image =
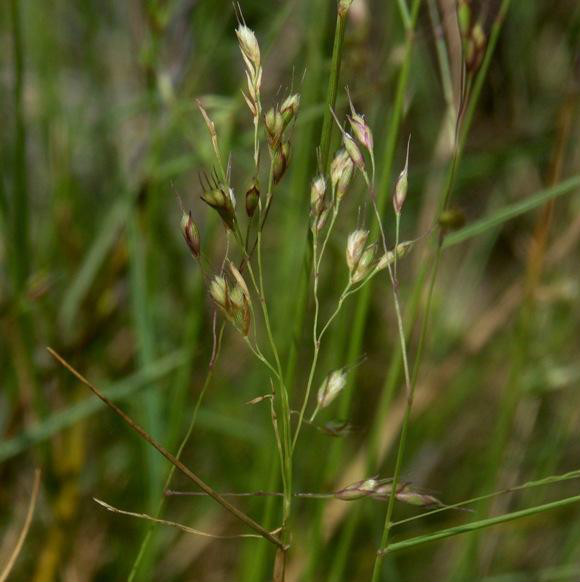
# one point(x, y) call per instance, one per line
point(388, 258)
point(317, 192)
point(358, 489)
point(240, 314)
point(381, 490)
point(359, 126)
point(359, 257)
point(190, 234)
point(249, 46)
point(289, 108)
point(322, 219)
point(365, 264)
point(281, 160)
point(332, 385)
point(402, 184)
point(250, 50)
point(354, 152)
point(211, 128)
point(239, 280)
point(220, 197)
point(337, 428)
point(475, 48)
point(274, 123)
point(472, 36)
point(355, 247)
point(341, 170)
point(234, 302)
point(416, 497)
point(252, 198)
point(218, 291)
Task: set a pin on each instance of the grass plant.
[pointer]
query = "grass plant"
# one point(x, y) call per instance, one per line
point(321, 258)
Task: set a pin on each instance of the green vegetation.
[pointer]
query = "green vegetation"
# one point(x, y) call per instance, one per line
point(307, 273)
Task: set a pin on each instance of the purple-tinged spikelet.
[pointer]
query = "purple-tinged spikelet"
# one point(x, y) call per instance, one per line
point(190, 234)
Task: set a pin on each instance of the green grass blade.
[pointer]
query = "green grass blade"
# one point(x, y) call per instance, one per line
point(512, 211)
point(150, 407)
point(481, 524)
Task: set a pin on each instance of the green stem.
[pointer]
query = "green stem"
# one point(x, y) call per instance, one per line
point(404, 11)
point(332, 89)
point(363, 304)
point(397, 234)
point(150, 406)
point(316, 336)
point(325, 139)
point(256, 351)
point(405, 427)
point(358, 324)
point(317, 343)
point(284, 401)
point(346, 293)
point(444, 203)
point(286, 452)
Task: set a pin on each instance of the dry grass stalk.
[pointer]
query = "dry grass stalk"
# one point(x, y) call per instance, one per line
point(25, 529)
point(171, 458)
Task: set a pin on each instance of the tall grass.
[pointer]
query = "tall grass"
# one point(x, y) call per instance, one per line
point(328, 411)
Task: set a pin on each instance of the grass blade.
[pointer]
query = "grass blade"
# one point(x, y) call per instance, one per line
point(480, 524)
point(512, 211)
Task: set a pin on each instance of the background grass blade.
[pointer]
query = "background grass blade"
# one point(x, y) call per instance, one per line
point(512, 211)
point(481, 524)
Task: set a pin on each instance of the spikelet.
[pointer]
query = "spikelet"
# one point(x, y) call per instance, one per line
point(317, 192)
point(281, 161)
point(234, 302)
point(289, 109)
point(341, 170)
point(402, 185)
point(381, 490)
point(219, 292)
point(250, 50)
point(274, 126)
point(364, 265)
point(249, 47)
point(220, 197)
point(190, 234)
point(354, 152)
point(332, 385)
point(359, 127)
point(355, 247)
point(211, 128)
point(388, 258)
point(252, 198)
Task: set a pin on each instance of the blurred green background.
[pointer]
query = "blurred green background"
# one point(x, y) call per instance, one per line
point(100, 134)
